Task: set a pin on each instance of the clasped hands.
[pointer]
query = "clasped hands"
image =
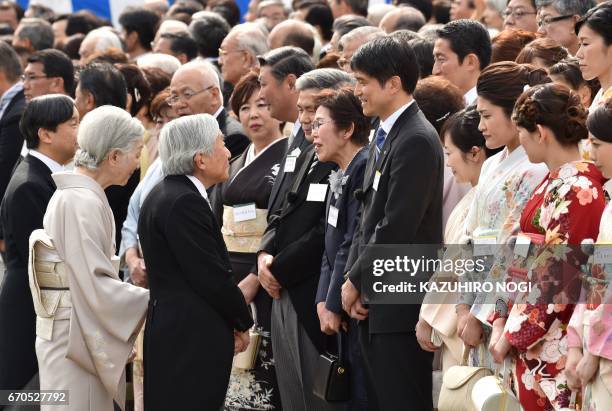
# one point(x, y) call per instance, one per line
point(266, 278)
point(351, 301)
point(241, 341)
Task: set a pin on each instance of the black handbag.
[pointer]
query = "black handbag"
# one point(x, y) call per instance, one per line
point(332, 382)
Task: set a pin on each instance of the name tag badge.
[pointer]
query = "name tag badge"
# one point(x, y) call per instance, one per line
point(317, 192)
point(603, 254)
point(376, 180)
point(296, 152)
point(244, 212)
point(484, 245)
point(332, 217)
point(290, 164)
point(521, 247)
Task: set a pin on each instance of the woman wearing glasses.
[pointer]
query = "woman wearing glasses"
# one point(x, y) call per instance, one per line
point(240, 206)
point(521, 14)
point(340, 132)
point(556, 20)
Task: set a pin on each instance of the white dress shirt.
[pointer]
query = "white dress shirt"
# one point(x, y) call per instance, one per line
point(53, 165)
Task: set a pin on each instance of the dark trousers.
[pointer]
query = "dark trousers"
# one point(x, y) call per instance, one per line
point(399, 370)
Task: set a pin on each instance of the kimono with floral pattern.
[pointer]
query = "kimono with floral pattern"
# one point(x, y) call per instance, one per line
point(565, 208)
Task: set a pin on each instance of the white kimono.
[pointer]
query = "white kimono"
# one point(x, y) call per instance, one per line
point(90, 338)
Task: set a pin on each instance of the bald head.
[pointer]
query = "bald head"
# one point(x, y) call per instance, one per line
point(196, 89)
point(402, 18)
point(292, 33)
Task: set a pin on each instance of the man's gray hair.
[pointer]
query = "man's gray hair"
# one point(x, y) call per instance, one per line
point(181, 139)
point(323, 78)
point(267, 3)
point(9, 62)
point(105, 38)
point(103, 130)
point(165, 62)
point(568, 7)
point(365, 34)
point(253, 38)
point(38, 31)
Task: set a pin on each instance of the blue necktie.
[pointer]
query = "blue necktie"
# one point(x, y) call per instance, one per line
point(380, 140)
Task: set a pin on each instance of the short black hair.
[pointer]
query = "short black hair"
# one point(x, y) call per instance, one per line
point(301, 39)
point(321, 15)
point(182, 43)
point(56, 64)
point(598, 19)
point(83, 21)
point(142, 21)
point(423, 49)
point(287, 60)
point(208, 32)
point(105, 83)
point(46, 112)
point(468, 37)
point(228, 9)
point(386, 57)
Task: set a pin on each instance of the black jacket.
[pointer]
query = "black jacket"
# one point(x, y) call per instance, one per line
point(11, 140)
point(406, 207)
point(295, 237)
point(194, 305)
point(22, 211)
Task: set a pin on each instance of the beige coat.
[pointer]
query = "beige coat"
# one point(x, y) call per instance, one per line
point(90, 341)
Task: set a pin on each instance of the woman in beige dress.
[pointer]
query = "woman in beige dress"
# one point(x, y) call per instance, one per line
point(466, 153)
point(87, 318)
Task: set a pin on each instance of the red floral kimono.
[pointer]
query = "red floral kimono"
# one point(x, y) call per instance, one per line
point(566, 208)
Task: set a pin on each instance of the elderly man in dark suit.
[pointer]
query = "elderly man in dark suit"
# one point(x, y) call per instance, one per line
point(195, 89)
point(402, 204)
point(49, 124)
point(197, 315)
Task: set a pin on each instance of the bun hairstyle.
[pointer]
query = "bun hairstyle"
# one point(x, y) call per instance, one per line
point(599, 122)
point(554, 106)
point(462, 129)
point(502, 83)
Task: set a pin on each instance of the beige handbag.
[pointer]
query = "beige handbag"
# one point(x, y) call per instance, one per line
point(457, 383)
point(246, 360)
point(492, 393)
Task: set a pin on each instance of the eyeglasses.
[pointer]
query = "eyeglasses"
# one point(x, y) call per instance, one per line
point(517, 14)
point(549, 19)
point(318, 123)
point(186, 96)
point(31, 77)
point(225, 52)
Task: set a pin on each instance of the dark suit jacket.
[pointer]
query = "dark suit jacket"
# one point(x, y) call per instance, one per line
point(338, 239)
point(235, 139)
point(11, 140)
point(405, 209)
point(194, 305)
point(295, 237)
point(22, 211)
point(283, 180)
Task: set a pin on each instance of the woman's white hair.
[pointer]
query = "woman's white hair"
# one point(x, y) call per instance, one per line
point(103, 130)
point(182, 138)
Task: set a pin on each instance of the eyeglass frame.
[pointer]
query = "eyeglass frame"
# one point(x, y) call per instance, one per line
point(316, 124)
point(173, 100)
point(514, 13)
point(550, 19)
point(24, 77)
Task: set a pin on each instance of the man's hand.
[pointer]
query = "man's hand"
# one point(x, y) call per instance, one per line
point(350, 295)
point(574, 355)
point(241, 341)
point(587, 367)
point(423, 335)
point(358, 311)
point(136, 267)
point(330, 321)
point(249, 287)
point(266, 278)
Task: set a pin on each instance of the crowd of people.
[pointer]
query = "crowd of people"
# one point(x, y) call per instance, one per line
point(186, 198)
